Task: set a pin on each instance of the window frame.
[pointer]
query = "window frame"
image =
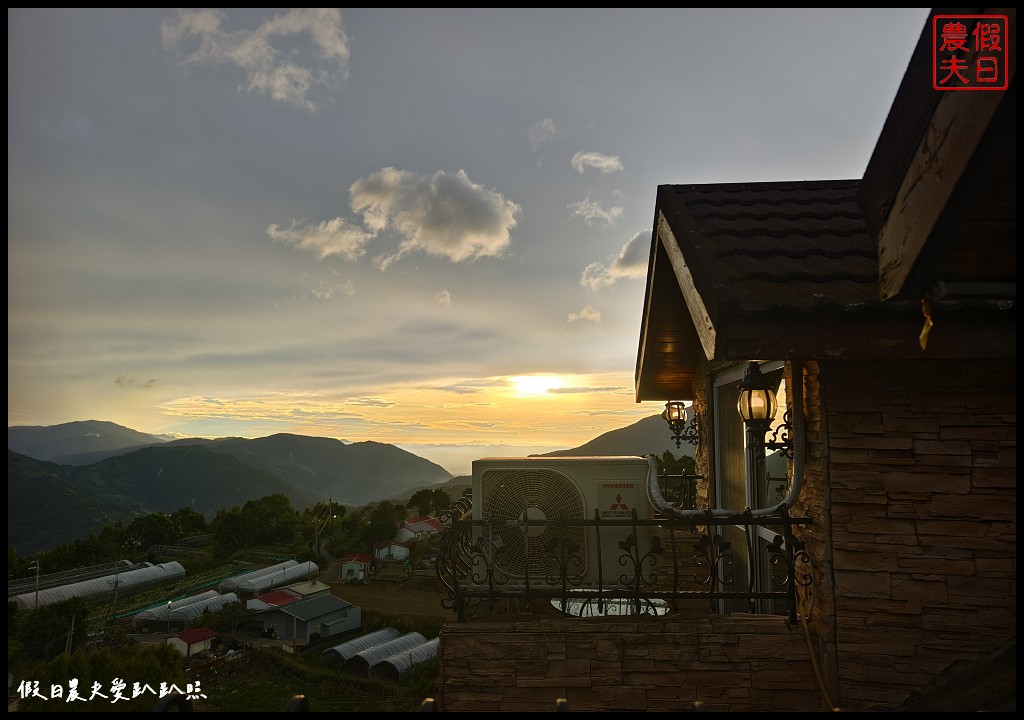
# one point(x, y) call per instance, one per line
point(730, 453)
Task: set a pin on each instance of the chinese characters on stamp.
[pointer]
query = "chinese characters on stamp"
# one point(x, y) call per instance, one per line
point(969, 52)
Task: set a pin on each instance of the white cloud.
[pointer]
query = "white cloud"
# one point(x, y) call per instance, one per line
point(592, 212)
point(443, 215)
point(542, 133)
point(327, 289)
point(444, 298)
point(605, 163)
point(289, 73)
point(588, 313)
point(630, 264)
point(331, 237)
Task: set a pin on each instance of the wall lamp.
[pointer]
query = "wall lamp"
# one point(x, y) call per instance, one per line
point(676, 414)
point(757, 406)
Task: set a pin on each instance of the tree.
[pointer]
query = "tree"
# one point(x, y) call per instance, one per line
point(188, 522)
point(422, 500)
point(231, 531)
point(43, 633)
point(382, 523)
point(144, 532)
point(347, 536)
point(273, 517)
point(226, 620)
point(669, 464)
point(439, 501)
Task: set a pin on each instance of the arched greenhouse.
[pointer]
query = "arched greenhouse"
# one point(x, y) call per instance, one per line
point(231, 584)
point(262, 583)
point(188, 614)
point(99, 589)
point(399, 667)
point(184, 612)
point(159, 612)
point(364, 661)
point(341, 654)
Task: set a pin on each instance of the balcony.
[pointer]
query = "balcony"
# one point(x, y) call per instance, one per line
point(635, 566)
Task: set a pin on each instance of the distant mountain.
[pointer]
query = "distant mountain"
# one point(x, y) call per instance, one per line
point(650, 436)
point(46, 507)
point(52, 442)
point(50, 504)
point(353, 474)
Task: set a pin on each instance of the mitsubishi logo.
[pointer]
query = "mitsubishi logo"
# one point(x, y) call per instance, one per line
point(618, 504)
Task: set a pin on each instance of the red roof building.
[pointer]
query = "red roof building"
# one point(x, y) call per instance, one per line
point(192, 642)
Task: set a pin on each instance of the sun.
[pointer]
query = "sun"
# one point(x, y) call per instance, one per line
point(535, 385)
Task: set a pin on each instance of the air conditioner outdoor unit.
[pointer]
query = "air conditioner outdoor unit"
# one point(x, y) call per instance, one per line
point(545, 490)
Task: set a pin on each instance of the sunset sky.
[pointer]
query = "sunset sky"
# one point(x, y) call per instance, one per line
point(428, 228)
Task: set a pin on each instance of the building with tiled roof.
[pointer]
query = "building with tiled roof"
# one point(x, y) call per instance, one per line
point(418, 528)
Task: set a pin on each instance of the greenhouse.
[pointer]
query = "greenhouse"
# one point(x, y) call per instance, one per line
point(364, 661)
point(99, 589)
point(340, 654)
point(188, 614)
point(185, 611)
point(282, 576)
point(66, 577)
point(231, 584)
point(160, 611)
point(399, 667)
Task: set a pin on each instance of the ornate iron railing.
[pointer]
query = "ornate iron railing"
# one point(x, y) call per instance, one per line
point(633, 567)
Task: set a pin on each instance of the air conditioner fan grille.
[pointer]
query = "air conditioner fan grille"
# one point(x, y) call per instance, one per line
point(540, 494)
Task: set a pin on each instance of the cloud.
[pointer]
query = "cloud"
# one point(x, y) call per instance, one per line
point(327, 289)
point(584, 390)
point(127, 382)
point(605, 163)
point(371, 402)
point(444, 215)
point(331, 237)
point(444, 298)
point(630, 264)
point(592, 212)
point(589, 313)
point(542, 133)
point(274, 63)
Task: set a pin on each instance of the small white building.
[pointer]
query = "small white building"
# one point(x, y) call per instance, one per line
point(354, 567)
point(390, 551)
point(192, 642)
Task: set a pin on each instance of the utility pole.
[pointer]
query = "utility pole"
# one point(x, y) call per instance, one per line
point(36, 563)
point(319, 527)
point(67, 649)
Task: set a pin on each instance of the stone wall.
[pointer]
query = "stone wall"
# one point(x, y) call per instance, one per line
point(922, 482)
point(526, 663)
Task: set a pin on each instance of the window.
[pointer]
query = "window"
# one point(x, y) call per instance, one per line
point(743, 482)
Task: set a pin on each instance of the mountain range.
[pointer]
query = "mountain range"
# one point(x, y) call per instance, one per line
point(65, 482)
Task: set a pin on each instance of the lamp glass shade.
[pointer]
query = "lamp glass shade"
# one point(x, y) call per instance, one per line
point(675, 411)
point(756, 404)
